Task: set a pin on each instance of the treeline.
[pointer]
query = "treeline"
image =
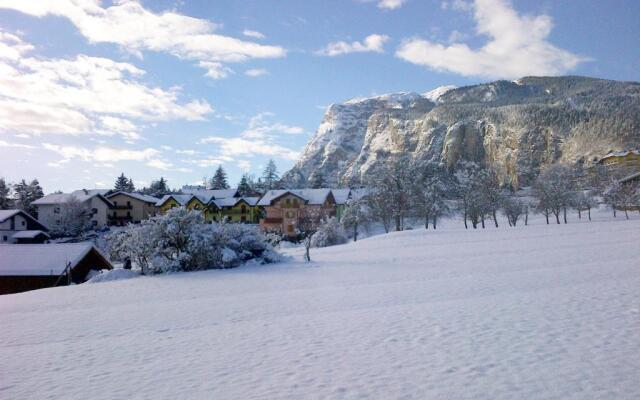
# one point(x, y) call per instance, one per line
point(402, 190)
point(20, 195)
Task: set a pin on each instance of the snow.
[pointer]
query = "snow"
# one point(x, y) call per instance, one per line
point(536, 312)
point(40, 259)
point(435, 94)
point(113, 275)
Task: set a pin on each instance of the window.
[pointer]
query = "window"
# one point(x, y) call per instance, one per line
point(94, 210)
point(243, 209)
point(243, 219)
point(23, 223)
point(114, 214)
point(4, 238)
point(128, 204)
point(128, 214)
point(56, 210)
point(115, 203)
point(287, 202)
point(295, 202)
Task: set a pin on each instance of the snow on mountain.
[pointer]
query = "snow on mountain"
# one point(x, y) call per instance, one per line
point(515, 127)
point(536, 312)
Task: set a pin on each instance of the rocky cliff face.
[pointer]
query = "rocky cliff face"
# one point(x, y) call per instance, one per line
point(515, 127)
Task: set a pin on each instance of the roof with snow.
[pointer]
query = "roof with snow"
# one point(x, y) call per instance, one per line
point(29, 234)
point(80, 195)
point(44, 259)
point(181, 199)
point(311, 196)
point(620, 153)
point(212, 193)
point(137, 196)
point(232, 201)
point(341, 195)
point(31, 222)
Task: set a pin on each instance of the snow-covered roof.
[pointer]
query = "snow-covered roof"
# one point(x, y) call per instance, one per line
point(29, 234)
point(341, 195)
point(357, 194)
point(621, 153)
point(80, 195)
point(311, 196)
point(6, 214)
point(232, 201)
point(182, 199)
point(212, 193)
point(138, 196)
point(41, 259)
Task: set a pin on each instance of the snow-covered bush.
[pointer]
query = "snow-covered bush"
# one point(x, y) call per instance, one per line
point(330, 233)
point(181, 240)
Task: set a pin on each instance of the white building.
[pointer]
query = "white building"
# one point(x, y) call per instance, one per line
point(52, 207)
point(17, 226)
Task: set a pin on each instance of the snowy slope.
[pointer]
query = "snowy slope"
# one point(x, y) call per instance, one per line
point(537, 312)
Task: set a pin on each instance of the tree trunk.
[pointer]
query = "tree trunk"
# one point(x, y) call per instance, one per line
point(557, 214)
point(614, 212)
point(526, 217)
point(546, 215)
point(589, 211)
point(355, 232)
point(465, 219)
point(564, 214)
point(307, 246)
point(626, 214)
point(579, 214)
point(398, 225)
point(426, 221)
point(482, 222)
point(495, 218)
point(435, 220)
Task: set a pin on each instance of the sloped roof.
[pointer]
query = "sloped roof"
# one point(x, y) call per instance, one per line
point(138, 196)
point(80, 195)
point(29, 234)
point(341, 195)
point(212, 193)
point(6, 214)
point(182, 199)
point(43, 259)
point(357, 194)
point(232, 201)
point(311, 196)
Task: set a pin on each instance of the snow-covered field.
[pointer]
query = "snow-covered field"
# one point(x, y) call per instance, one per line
point(537, 312)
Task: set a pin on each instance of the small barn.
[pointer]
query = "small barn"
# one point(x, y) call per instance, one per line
point(26, 267)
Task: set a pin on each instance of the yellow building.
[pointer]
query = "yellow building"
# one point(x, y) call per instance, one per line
point(170, 201)
point(626, 160)
point(237, 209)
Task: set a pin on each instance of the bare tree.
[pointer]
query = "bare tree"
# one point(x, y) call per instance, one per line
point(513, 209)
point(355, 216)
point(553, 190)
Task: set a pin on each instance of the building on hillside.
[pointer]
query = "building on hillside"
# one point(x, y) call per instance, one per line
point(131, 208)
point(200, 199)
point(17, 226)
point(628, 161)
point(236, 209)
point(169, 201)
point(285, 210)
point(96, 207)
point(36, 266)
point(341, 197)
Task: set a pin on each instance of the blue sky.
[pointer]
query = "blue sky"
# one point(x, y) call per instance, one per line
point(90, 89)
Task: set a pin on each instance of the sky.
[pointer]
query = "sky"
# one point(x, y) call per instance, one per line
point(90, 89)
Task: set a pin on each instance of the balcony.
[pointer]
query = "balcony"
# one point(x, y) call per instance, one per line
point(117, 207)
point(272, 220)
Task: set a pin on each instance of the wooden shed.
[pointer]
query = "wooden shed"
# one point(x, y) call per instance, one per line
point(26, 267)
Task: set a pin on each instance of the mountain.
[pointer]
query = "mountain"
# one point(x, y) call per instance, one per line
point(516, 127)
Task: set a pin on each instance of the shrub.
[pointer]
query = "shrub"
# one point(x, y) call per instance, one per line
point(330, 233)
point(181, 240)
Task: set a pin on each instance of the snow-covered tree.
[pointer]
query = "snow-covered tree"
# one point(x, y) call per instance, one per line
point(356, 215)
point(72, 219)
point(317, 180)
point(429, 194)
point(471, 197)
point(513, 209)
point(27, 193)
point(270, 178)
point(181, 240)
point(584, 201)
point(124, 184)
point(219, 180)
point(6, 202)
point(392, 188)
point(329, 233)
point(246, 186)
point(157, 188)
point(307, 226)
point(621, 196)
point(554, 191)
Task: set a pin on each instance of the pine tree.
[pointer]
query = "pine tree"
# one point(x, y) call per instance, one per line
point(130, 186)
point(245, 187)
point(219, 180)
point(122, 184)
point(270, 176)
point(5, 195)
point(21, 194)
point(34, 192)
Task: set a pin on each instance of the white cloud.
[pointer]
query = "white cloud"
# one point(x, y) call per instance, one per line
point(253, 34)
point(517, 47)
point(101, 154)
point(80, 95)
point(390, 4)
point(255, 72)
point(243, 147)
point(4, 143)
point(372, 43)
point(244, 165)
point(136, 29)
point(260, 127)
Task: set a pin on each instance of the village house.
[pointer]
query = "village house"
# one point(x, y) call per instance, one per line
point(286, 210)
point(36, 266)
point(95, 204)
point(628, 161)
point(131, 208)
point(236, 209)
point(204, 200)
point(17, 226)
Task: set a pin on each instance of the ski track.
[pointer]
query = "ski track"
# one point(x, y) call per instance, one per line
point(536, 312)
